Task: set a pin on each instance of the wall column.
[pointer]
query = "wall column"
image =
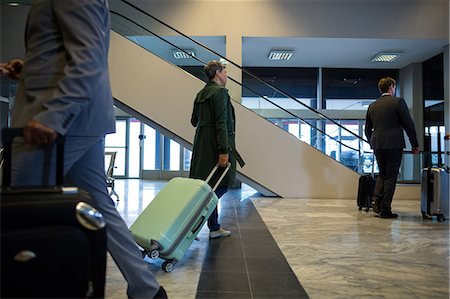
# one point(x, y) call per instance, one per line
point(411, 89)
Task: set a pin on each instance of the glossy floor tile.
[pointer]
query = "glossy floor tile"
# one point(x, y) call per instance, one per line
point(236, 272)
point(334, 250)
point(337, 251)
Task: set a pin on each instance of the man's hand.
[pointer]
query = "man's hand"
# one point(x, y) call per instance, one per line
point(12, 69)
point(223, 160)
point(37, 133)
point(415, 150)
point(447, 137)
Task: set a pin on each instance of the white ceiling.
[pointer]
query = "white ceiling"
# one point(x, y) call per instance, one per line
point(339, 52)
point(308, 52)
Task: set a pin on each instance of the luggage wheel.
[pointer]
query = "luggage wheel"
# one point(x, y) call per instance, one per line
point(440, 218)
point(168, 266)
point(154, 252)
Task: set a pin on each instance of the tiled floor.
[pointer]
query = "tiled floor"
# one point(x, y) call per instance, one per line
point(334, 250)
point(248, 264)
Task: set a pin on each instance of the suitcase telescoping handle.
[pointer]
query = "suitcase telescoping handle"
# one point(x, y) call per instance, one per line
point(213, 171)
point(8, 136)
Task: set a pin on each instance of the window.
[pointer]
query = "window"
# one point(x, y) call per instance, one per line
point(352, 89)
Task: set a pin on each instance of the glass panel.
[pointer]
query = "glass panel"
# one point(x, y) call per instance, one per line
point(119, 137)
point(134, 149)
point(338, 104)
point(187, 159)
point(352, 84)
point(174, 155)
point(331, 146)
point(437, 144)
point(120, 162)
point(368, 158)
point(305, 133)
point(116, 142)
point(149, 148)
point(350, 157)
point(442, 131)
point(294, 129)
point(433, 83)
point(300, 83)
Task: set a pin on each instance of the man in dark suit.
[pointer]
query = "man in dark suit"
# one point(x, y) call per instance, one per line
point(64, 89)
point(386, 119)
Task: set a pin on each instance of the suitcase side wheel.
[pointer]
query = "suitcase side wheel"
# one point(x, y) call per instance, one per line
point(154, 251)
point(168, 266)
point(154, 254)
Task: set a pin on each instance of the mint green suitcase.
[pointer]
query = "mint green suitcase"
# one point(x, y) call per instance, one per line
point(172, 220)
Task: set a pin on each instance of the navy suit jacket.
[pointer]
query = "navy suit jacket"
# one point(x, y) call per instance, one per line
point(65, 77)
point(386, 119)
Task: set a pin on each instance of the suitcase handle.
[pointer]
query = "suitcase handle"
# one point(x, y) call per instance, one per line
point(8, 136)
point(198, 226)
point(213, 171)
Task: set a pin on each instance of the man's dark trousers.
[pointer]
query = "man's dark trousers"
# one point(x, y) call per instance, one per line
point(389, 161)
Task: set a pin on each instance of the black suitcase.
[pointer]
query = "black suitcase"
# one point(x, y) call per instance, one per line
point(53, 242)
point(366, 186)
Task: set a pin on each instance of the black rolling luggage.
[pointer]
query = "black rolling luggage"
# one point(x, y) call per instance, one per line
point(366, 186)
point(53, 242)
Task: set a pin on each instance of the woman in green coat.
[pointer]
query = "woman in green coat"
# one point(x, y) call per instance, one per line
point(214, 142)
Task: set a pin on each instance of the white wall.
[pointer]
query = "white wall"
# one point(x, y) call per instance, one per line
point(305, 18)
point(274, 158)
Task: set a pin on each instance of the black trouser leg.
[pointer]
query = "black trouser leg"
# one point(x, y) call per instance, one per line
point(389, 164)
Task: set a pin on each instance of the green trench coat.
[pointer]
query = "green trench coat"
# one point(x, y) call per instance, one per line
point(214, 119)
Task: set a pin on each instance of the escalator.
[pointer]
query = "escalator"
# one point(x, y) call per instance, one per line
point(160, 93)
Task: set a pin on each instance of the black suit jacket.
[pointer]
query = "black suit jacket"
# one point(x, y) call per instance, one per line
point(386, 119)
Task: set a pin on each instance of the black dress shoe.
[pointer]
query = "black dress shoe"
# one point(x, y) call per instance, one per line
point(376, 206)
point(161, 294)
point(388, 215)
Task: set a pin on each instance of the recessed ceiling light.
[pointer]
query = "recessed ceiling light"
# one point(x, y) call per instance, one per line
point(280, 54)
point(386, 56)
point(183, 54)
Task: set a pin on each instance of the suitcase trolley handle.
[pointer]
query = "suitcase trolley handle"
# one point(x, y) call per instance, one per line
point(213, 171)
point(8, 136)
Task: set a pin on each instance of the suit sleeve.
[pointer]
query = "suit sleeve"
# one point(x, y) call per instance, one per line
point(220, 113)
point(194, 119)
point(407, 123)
point(83, 27)
point(369, 126)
